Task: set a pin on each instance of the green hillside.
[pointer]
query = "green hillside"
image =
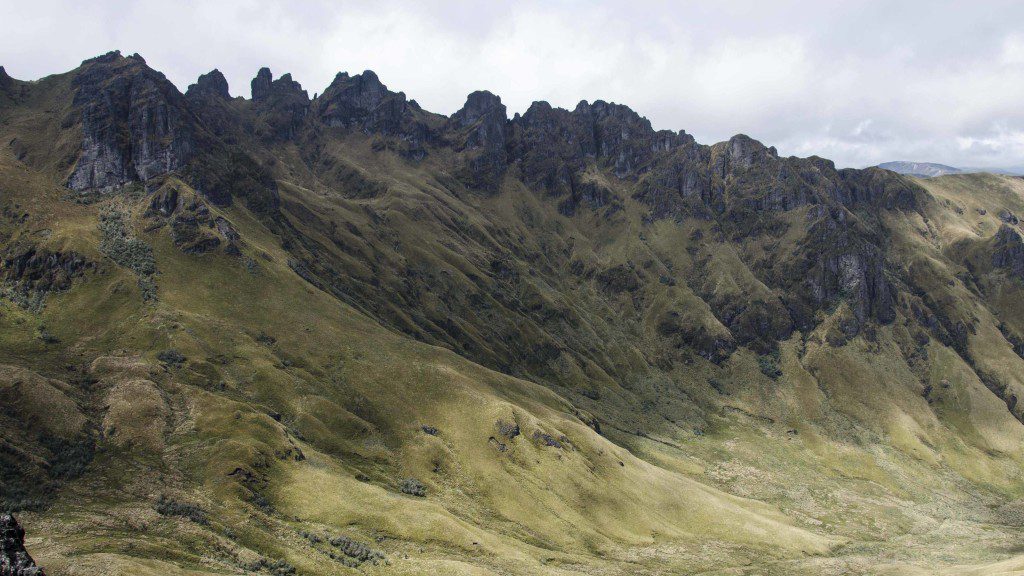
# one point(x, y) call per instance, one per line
point(346, 335)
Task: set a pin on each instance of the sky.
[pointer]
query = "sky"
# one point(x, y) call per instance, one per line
point(860, 82)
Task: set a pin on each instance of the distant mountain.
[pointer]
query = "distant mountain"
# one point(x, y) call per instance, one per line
point(931, 169)
point(920, 169)
point(1011, 171)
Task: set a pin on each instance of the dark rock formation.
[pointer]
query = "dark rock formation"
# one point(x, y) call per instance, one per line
point(194, 230)
point(36, 269)
point(681, 184)
point(362, 102)
point(282, 104)
point(135, 123)
point(838, 260)
point(591, 194)
point(481, 128)
point(212, 84)
point(1008, 251)
point(164, 203)
point(14, 559)
point(698, 338)
point(552, 143)
point(260, 85)
point(5, 80)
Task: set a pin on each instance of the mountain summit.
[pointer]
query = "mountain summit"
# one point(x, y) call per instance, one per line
point(922, 169)
point(285, 335)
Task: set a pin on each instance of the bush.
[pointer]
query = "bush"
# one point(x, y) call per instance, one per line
point(547, 439)
point(768, 367)
point(277, 567)
point(117, 242)
point(171, 357)
point(508, 429)
point(70, 458)
point(169, 507)
point(356, 550)
point(412, 487)
point(281, 568)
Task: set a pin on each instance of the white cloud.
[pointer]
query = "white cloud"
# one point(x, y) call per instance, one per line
point(859, 82)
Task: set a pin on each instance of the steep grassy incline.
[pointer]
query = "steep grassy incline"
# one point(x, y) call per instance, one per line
point(342, 335)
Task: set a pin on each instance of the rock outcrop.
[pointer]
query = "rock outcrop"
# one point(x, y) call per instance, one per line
point(135, 123)
point(194, 230)
point(14, 559)
point(553, 144)
point(282, 104)
point(363, 103)
point(1008, 251)
point(41, 270)
point(481, 134)
point(5, 80)
point(213, 83)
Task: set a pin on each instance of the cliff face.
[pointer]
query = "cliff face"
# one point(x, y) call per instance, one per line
point(137, 127)
point(135, 124)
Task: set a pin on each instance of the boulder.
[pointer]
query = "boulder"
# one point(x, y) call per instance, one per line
point(14, 559)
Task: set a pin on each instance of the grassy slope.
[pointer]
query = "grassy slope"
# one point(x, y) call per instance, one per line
point(841, 466)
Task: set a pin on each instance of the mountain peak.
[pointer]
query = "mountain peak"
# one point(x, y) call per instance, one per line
point(919, 169)
point(112, 56)
point(479, 104)
point(264, 87)
point(213, 83)
point(363, 100)
point(260, 85)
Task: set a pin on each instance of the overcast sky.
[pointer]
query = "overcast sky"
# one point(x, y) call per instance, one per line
point(858, 82)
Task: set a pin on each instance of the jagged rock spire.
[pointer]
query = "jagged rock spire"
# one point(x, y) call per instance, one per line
point(261, 84)
point(213, 83)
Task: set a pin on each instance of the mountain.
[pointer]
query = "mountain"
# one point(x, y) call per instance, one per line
point(343, 334)
point(920, 169)
point(930, 170)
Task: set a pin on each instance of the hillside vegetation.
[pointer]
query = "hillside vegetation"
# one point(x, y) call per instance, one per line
point(343, 335)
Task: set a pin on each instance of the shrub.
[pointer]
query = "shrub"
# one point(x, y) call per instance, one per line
point(47, 337)
point(117, 242)
point(768, 367)
point(171, 357)
point(70, 458)
point(412, 487)
point(356, 550)
point(508, 429)
point(169, 507)
point(717, 385)
point(546, 439)
point(147, 286)
point(281, 568)
point(277, 567)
